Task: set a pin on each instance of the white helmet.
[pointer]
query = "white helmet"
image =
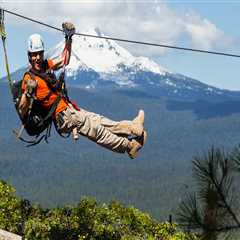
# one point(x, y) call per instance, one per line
point(35, 43)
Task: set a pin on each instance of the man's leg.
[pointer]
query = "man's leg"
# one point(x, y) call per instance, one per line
point(88, 125)
point(125, 127)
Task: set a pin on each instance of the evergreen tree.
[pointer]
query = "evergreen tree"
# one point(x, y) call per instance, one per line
point(211, 210)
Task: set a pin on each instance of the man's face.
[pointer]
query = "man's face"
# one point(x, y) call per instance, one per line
point(36, 59)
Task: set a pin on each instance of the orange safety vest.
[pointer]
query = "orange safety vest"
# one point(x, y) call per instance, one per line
point(43, 93)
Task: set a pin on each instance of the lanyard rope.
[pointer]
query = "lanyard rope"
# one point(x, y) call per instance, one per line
point(4, 35)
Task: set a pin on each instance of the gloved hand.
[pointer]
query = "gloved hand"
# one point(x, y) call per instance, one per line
point(30, 87)
point(68, 29)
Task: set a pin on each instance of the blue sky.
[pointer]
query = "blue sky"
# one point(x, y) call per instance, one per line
point(209, 25)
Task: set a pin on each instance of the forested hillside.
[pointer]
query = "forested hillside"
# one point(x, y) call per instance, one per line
point(62, 171)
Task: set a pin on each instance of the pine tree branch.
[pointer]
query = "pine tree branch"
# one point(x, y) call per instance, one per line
point(229, 209)
point(227, 228)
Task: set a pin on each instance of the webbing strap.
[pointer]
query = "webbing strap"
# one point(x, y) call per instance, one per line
point(62, 75)
point(52, 110)
point(3, 35)
point(7, 66)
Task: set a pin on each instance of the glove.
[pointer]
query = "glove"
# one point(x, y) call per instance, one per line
point(30, 87)
point(68, 29)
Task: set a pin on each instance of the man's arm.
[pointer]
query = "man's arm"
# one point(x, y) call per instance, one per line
point(23, 105)
point(64, 58)
point(28, 87)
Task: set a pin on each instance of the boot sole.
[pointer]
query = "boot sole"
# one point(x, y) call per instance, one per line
point(133, 153)
point(143, 138)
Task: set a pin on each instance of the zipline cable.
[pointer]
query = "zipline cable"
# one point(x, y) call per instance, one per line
point(126, 40)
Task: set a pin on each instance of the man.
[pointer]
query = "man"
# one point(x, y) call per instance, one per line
point(39, 85)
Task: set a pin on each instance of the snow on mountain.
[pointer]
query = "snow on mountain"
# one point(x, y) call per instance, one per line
point(98, 62)
point(102, 63)
point(145, 64)
point(103, 56)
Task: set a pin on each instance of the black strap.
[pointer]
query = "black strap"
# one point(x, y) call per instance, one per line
point(44, 136)
point(52, 110)
point(33, 142)
point(46, 78)
point(63, 135)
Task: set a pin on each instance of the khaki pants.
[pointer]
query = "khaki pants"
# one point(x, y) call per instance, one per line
point(105, 132)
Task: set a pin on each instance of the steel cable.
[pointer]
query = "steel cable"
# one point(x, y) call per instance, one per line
point(126, 40)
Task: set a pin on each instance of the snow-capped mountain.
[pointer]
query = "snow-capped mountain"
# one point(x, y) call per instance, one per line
point(100, 63)
point(103, 56)
point(106, 58)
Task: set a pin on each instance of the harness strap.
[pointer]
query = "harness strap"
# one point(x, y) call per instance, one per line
point(45, 77)
point(30, 142)
point(52, 110)
point(54, 105)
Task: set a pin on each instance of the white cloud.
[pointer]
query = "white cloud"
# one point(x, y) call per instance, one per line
point(152, 21)
point(203, 33)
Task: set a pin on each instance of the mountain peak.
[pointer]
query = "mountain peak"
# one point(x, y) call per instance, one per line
point(100, 62)
point(103, 55)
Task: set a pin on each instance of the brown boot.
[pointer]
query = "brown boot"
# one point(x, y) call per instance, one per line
point(143, 138)
point(137, 124)
point(136, 144)
point(133, 147)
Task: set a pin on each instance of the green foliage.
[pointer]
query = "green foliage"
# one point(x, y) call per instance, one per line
point(87, 220)
point(10, 215)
